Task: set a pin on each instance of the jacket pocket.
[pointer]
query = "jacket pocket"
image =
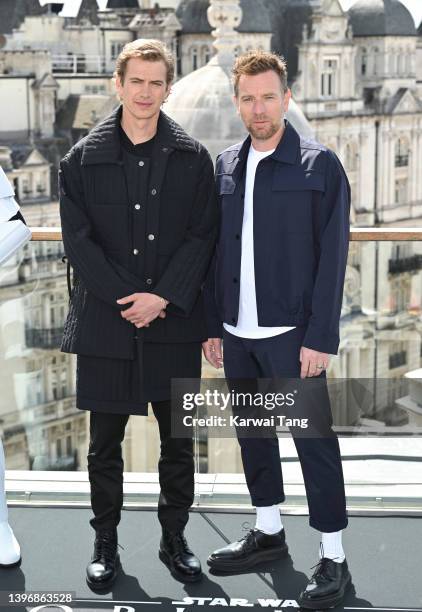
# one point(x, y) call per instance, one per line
point(294, 196)
point(297, 179)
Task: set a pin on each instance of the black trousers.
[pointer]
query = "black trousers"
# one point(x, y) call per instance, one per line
point(278, 357)
point(105, 469)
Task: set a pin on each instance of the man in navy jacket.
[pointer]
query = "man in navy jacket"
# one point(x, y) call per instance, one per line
point(274, 294)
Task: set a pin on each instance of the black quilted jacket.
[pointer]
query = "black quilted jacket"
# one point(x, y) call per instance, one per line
point(120, 243)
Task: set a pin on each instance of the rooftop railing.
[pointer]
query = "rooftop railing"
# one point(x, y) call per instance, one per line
point(46, 437)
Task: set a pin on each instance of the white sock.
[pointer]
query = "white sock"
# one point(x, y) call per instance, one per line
point(332, 547)
point(268, 519)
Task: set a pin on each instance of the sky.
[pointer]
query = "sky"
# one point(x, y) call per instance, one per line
point(414, 6)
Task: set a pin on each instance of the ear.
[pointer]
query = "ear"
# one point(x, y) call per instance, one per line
point(168, 92)
point(118, 84)
point(236, 103)
point(287, 98)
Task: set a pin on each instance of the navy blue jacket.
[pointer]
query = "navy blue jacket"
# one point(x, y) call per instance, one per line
point(301, 238)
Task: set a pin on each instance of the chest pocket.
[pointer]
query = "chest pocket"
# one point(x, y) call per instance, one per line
point(295, 193)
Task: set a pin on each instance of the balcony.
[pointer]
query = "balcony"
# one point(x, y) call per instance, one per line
point(378, 420)
point(405, 264)
point(43, 338)
point(72, 63)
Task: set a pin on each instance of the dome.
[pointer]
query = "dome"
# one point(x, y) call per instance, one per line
point(381, 18)
point(192, 14)
point(202, 104)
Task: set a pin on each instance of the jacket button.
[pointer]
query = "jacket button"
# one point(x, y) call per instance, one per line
point(233, 320)
point(154, 191)
point(165, 149)
point(135, 251)
point(141, 163)
point(237, 236)
point(242, 195)
point(137, 206)
point(235, 280)
point(149, 281)
point(151, 236)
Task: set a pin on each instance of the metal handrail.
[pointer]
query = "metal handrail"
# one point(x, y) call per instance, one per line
point(357, 234)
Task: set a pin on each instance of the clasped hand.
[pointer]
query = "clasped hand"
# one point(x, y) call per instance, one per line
point(145, 308)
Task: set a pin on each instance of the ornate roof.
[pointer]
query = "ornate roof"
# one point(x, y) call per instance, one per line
point(381, 18)
point(192, 14)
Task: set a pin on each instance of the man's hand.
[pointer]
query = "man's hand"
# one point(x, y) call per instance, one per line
point(313, 362)
point(145, 308)
point(212, 352)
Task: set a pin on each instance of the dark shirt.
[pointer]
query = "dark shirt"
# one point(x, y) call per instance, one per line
point(143, 149)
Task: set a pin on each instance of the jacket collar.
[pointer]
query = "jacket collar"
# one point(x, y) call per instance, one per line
point(102, 145)
point(286, 150)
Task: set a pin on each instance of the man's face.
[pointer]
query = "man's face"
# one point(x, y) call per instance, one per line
point(262, 104)
point(144, 87)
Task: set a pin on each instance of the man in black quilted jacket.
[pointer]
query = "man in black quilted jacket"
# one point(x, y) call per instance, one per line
point(139, 239)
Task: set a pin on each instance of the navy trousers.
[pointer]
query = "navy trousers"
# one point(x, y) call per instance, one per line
point(278, 357)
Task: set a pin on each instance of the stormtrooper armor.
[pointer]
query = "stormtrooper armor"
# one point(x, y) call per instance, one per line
point(13, 235)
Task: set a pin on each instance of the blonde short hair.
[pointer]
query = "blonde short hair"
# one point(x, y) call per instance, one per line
point(149, 50)
point(256, 62)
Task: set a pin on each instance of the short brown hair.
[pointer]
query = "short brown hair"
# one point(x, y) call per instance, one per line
point(149, 50)
point(256, 62)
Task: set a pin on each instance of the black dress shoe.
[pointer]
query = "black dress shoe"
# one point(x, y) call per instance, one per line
point(327, 586)
point(105, 563)
point(255, 547)
point(176, 554)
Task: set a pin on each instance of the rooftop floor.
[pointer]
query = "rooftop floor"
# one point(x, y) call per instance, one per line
point(384, 555)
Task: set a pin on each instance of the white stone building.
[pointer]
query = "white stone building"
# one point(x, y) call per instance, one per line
point(356, 79)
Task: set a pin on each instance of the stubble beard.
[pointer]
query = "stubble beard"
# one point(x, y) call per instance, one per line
point(264, 133)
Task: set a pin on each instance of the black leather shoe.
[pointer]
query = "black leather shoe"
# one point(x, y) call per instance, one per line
point(176, 554)
point(255, 547)
point(105, 561)
point(327, 586)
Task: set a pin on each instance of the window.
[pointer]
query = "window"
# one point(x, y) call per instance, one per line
point(401, 153)
point(194, 55)
point(398, 355)
point(363, 62)
point(206, 55)
point(115, 47)
point(400, 191)
point(375, 60)
point(26, 187)
point(400, 292)
point(59, 382)
point(328, 78)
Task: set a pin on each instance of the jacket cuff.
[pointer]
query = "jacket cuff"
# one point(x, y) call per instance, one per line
point(320, 341)
point(176, 305)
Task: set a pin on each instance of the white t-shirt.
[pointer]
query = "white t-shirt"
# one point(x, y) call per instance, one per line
point(247, 322)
